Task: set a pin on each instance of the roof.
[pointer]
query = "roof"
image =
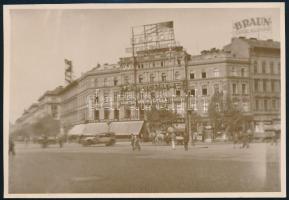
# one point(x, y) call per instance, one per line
point(56, 91)
point(127, 128)
point(262, 43)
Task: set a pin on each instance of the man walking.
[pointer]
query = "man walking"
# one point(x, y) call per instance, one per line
point(186, 141)
point(11, 146)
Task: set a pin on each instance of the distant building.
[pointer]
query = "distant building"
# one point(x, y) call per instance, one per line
point(48, 104)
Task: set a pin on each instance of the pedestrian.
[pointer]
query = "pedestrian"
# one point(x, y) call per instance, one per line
point(11, 146)
point(60, 141)
point(245, 139)
point(135, 142)
point(186, 141)
point(173, 136)
point(194, 137)
point(236, 137)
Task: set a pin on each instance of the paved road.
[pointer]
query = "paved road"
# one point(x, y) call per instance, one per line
point(117, 169)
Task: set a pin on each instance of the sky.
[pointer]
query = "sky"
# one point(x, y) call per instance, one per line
point(42, 38)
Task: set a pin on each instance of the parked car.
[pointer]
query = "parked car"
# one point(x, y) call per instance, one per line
point(107, 138)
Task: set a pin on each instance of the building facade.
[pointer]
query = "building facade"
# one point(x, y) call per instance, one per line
point(246, 70)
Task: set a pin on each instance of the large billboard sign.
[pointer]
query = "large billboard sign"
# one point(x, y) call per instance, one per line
point(152, 36)
point(252, 25)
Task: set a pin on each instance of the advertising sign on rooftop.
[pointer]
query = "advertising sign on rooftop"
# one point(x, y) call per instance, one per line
point(248, 26)
point(152, 36)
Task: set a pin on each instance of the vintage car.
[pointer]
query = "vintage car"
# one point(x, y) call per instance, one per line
point(107, 138)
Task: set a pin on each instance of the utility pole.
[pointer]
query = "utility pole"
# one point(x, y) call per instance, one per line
point(187, 114)
point(135, 75)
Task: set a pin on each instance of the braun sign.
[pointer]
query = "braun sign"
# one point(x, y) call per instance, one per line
point(252, 25)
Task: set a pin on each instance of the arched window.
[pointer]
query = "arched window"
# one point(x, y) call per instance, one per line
point(140, 78)
point(272, 67)
point(164, 77)
point(243, 72)
point(216, 72)
point(152, 78)
point(255, 67)
point(115, 81)
point(264, 67)
point(177, 75)
point(105, 81)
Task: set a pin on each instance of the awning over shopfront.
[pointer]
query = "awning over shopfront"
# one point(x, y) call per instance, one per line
point(76, 130)
point(119, 128)
point(126, 128)
point(95, 128)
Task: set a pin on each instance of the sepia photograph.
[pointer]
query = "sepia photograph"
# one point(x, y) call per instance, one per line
point(144, 100)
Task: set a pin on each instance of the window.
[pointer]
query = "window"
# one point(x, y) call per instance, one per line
point(95, 82)
point(256, 83)
point(274, 104)
point(216, 73)
point(106, 96)
point(255, 67)
point(179, 62)
point(204, 75)
point(278, 68)
point(272, 86)
point(178, 93)
point(127, 113)
point(162, 63)
point(216, 88)
point(204, 91)
point(106, 113)
point(205, 106)
point(192, 92)
point(257, 104)
point(125, 78)
point(272, 67)
point(115, 81)
point(265, 104)
point(153, 95)
point(140, 78)
point(243, 72)
point(115, 96)
point(116, 114)
point(164, 77)
point(234, 72)
point(244, 89)
point(105, 81)
point(152, 78)
point(264, 86)
point(96, 114)
point(177, 75)
point(96, 99)
point(264, 67)
point(192, 75)
point(234, 86)
point(154, 64)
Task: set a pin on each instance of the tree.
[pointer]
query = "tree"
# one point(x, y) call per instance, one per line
point(156, 117)
point(216, 112)
point(195, 119)
point(226, 115)
point(47, 126)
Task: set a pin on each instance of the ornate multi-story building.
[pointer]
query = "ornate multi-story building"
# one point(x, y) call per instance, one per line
point(246, 70)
